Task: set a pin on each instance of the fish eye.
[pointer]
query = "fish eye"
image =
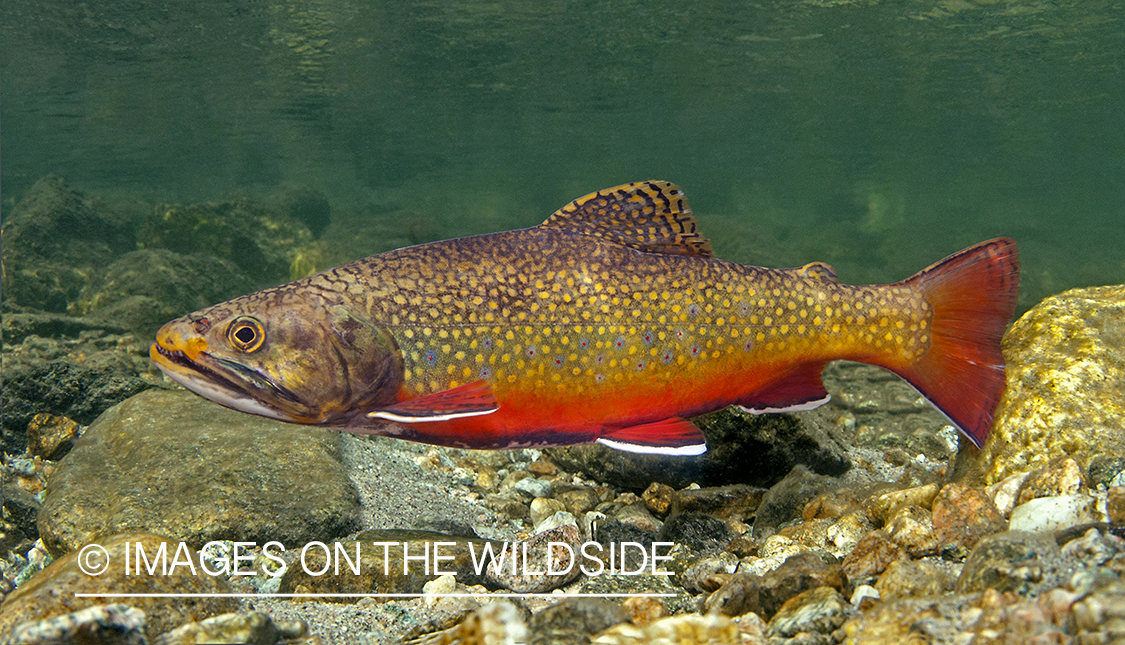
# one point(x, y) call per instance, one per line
point(246, 334)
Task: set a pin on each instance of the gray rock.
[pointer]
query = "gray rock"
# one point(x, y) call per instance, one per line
point(144, 289)
point(575, 621)
point(58, 388)
point(703, 534)
point(764, 595)
point(52, 239)
point(173, 463)
point(741, 448)
point(1009, 561)
point(787, 498)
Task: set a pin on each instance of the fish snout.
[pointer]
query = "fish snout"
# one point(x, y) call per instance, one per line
point(177, 336)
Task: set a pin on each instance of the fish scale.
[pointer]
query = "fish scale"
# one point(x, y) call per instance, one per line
point(611, 321)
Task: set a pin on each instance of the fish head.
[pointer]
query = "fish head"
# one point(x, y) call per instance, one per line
point(301, 362)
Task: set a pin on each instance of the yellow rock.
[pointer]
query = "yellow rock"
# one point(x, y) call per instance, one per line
point(1066, 373)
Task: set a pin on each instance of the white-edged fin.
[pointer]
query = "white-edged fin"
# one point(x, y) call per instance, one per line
point(402, 418)
point(677, 451)
point(800, 407)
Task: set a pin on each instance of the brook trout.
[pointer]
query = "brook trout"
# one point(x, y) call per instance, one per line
point(610, 322)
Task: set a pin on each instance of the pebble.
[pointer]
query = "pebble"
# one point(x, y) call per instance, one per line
point(659, 498)
point(542, 508)
point(1005, 492)
point(737, 501)
point(574, 620)
point(643, 610)
point(911, 528)
point(49, 436)
point(103, 625)
point(1050, 514)
point(1009, 561)
point(816, 611)
point(561, 518)
point(702, 533)
point(1061, 476)
point(496, 623)
point(534, 487)
point(963, 515)
point(870, 557)
point(905, 578)
point(687, 629)
point(535, 572)
point(243, 627)
point(883, 507)
point(764, 595)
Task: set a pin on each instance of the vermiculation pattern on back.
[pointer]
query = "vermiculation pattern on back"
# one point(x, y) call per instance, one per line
point(550, 309)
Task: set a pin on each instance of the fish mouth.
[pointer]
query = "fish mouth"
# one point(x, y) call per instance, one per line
point(225, 382)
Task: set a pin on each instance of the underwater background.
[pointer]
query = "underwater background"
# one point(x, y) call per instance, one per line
point(876, 136)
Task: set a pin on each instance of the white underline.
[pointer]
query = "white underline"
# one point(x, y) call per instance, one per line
point(375, 595)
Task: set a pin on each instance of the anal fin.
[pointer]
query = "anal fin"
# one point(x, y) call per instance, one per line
point(469, 400)
point(674, 436)
point(796, 391)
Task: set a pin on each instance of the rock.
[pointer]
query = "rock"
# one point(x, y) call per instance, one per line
point(1066, 371)
point(1005, 492)
point(104, 625)
point(912, 529)
point(1104, 470)
point(49, 436)
point(915, 578)
point(688, 629)
point(1059, 477)
point(22, 508)
point(787, 498)
point(575, 620)
point(541, 566)
point(881, 507)
point(702, 533)
point(637, 516)
point(709, 573)
point(561, 518)
point(146, 288)
point(243, 627)
point(742, 448)
point(1009, 561)
point(659, 498)
point(1050, 514)
point(175, 463)
point(578, 500)
point(1115, 505)
point(53, 591)
point(304, 204)
point(736, 501)
point(52, 240)
point(962, 516)
point(265, 244)
point(497, 623)
point(870, 557)
point(542, 508)
point(18, 323)
point(764, 595)
point(643, 610)
point(534, 487)
point(816, 611)
point(61, 389)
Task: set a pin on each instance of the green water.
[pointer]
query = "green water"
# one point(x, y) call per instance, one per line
point(879, 136)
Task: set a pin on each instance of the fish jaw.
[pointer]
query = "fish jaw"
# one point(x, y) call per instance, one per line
point(185, 360)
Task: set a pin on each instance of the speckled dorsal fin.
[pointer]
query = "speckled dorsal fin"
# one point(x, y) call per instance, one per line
point(818, 271)
point(651, 216)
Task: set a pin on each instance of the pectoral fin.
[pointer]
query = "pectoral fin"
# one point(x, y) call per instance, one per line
point(469, 400)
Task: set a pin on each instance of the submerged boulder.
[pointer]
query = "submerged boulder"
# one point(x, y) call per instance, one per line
point(172, 463)
point(1066, 373)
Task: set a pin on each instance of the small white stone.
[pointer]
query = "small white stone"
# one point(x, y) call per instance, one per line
point(1055, 513)
point(1004, 492)
point(561, 518)
point(864, 591)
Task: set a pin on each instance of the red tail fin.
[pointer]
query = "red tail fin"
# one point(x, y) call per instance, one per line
point(973, 295)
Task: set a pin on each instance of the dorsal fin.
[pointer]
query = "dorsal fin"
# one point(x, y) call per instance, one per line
point(651, 216)
point(818, 271)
